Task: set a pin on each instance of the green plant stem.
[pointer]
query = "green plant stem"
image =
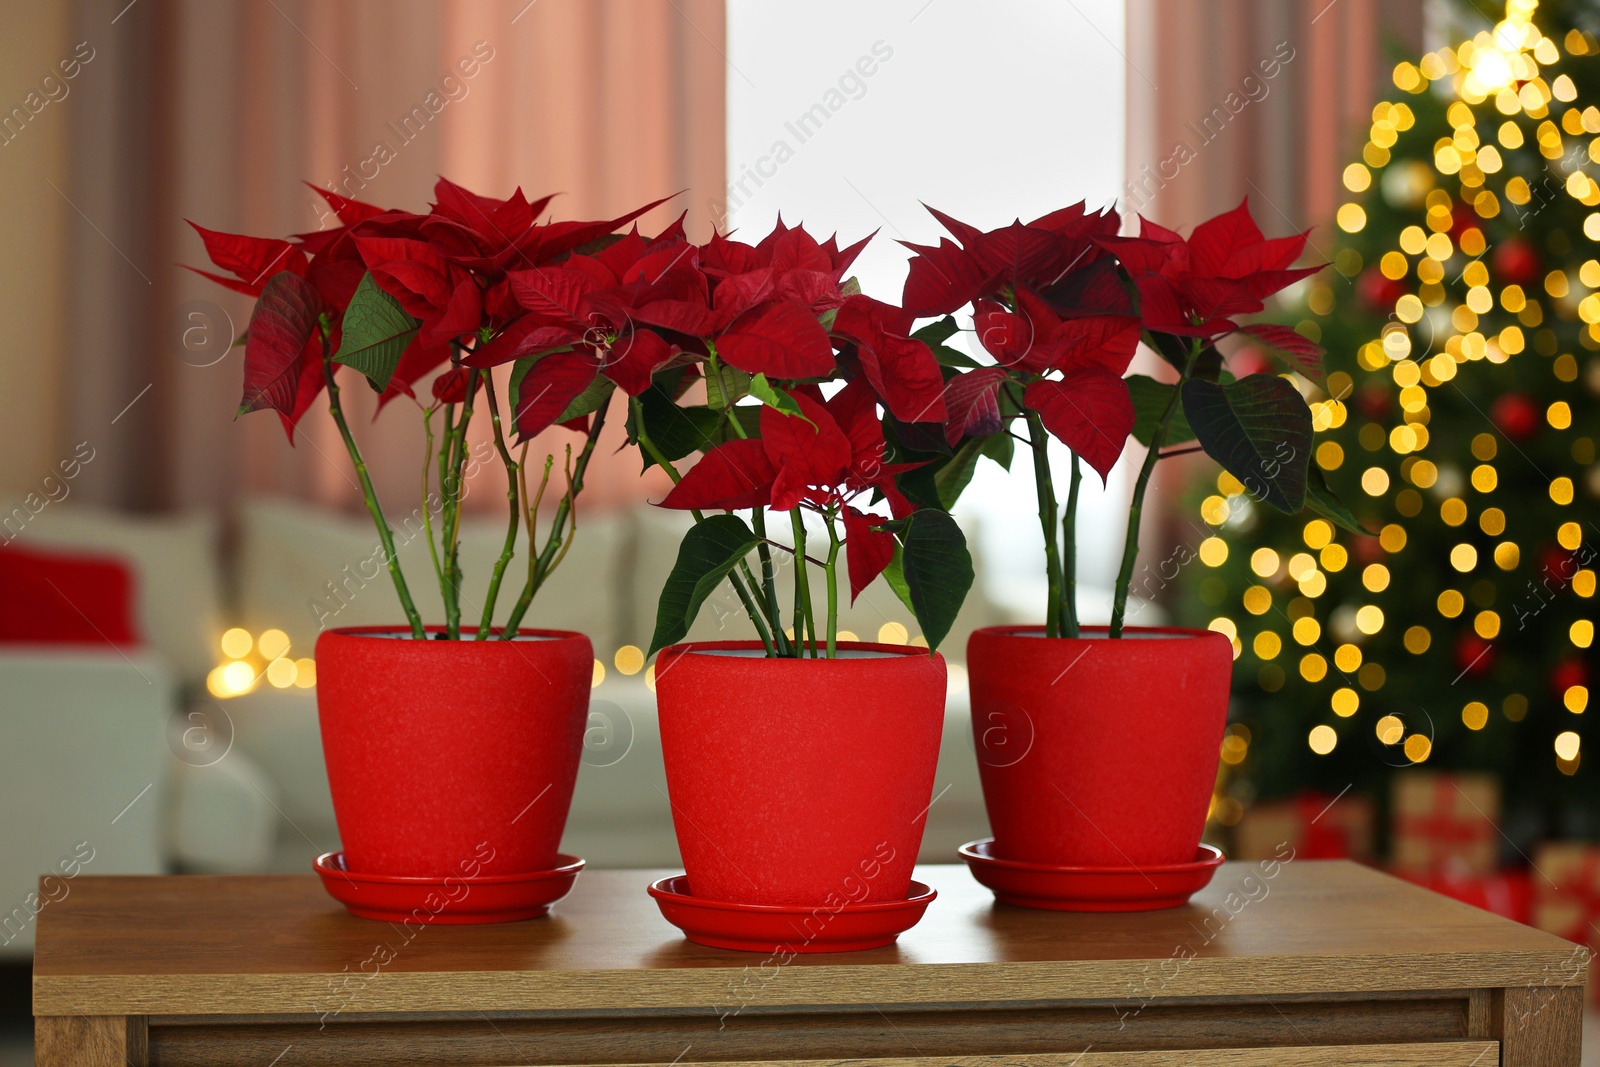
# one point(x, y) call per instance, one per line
point(802, 582)
point(832, 571)
point(452, 518)
point(530, 514)
point(1130, 547)
point(427, 512)
point(750, 607)
point(385, 535)
point(509, 548)
point(769, 583)
point(1045, 490)
point(557, 544)
point(1069, 554)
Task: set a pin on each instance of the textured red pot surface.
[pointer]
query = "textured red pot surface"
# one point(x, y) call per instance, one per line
point(1096, 752)
point(437, 747)
point(799, 781)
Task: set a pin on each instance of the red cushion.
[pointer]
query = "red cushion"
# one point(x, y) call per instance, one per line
point(65, 598)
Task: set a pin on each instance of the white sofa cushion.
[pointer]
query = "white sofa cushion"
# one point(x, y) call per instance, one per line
point(174, 560)
point(85, 765)
point(303, 569)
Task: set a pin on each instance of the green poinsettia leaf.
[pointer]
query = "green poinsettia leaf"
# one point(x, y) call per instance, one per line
point(775, 398)
point(725, 385)
point(375, 333)
point(1150, 399)
point(711, 548)
point(937, 570)
point(1259, 429)
point(1322, 500)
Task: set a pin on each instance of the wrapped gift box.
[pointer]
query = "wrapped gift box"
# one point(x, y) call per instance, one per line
point(1445, 823)
point(1566, 896)
point(1318, 826)
point(1508, 894)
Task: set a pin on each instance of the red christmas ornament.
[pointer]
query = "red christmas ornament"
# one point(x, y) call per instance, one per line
point(1377, 293)
point(1568, 673)
point(1374, 402)
point(1462, 219)
point(1516, 415)
point(1516, 262)
point(1557, 565)
point(1474, 656)
point(1367, 550)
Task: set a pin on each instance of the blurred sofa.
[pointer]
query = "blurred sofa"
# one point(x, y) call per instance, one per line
point(237, 783)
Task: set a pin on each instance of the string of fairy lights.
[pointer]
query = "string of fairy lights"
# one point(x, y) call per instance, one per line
point(1498, 72)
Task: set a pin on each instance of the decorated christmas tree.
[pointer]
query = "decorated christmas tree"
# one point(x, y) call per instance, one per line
point(1458, 421)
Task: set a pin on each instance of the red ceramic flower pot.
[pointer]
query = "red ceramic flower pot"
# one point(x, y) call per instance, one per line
point(436, 748)
point(1097, 752)
point(797, 781)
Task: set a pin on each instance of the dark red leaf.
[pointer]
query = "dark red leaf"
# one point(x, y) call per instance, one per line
point(902, 369)
point(973, 404)
point(866, 551)
point(1005, 335)
point(734, 475)
point(804, 453)
point(941, 279)
point(527, 336)
point(251, 259)
point(280, 326)
point(634, 358)
point(549, 386)
point(1090, 411)
point(782, 341)
point(1306, 353)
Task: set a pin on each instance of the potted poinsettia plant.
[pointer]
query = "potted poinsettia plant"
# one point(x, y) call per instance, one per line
point(438, 738)
point(1098, 745)
point(773, 376)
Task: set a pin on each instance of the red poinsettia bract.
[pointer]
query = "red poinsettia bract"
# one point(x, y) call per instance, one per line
point(1194, 287)
point(824, 458)
point(447, 268)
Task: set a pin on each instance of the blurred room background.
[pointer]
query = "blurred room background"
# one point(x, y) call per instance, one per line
point(197, 749)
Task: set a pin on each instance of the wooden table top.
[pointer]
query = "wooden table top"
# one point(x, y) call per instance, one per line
point(276, 944)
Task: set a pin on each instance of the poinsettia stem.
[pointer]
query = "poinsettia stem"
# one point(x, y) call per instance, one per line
point(427, 511)
point(1069, 554)
point(446, 444)
point(452, 495)
point(802, 583)
point(385, 535)
point(509, 548)
point(1044, 488)
point(1130, 547)
point(758, 522)
point(832, 571)
point(734, 577)
point(560, 539)
point(530, 515)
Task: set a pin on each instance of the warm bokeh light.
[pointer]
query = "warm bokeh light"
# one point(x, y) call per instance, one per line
point(281, 673)
point(236, 643)
point(272, 644)
point(629, 660)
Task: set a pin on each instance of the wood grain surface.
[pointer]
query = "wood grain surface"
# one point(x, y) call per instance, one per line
point(265, 945)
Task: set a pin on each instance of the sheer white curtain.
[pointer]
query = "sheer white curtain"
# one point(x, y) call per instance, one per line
point(845, 116)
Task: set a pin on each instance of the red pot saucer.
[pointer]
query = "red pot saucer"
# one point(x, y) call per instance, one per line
point(788, 927)
point(1040, 885)
point(447, 899)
